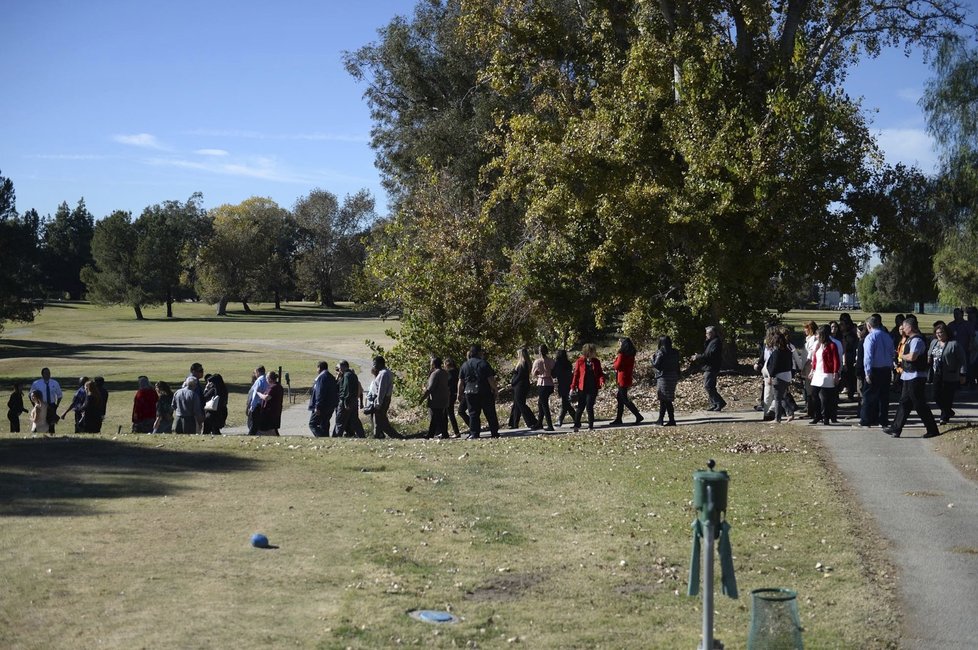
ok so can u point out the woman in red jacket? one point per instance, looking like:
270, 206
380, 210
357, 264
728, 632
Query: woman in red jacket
624, 365
586, 380
825, 377
144, 407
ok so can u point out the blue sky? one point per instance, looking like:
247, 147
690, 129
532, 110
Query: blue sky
131, 103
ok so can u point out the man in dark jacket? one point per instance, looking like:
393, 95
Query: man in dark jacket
477, 386
711, 358
322, 401
347, 420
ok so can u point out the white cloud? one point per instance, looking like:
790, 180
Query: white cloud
909, 146
912, 95
260, 168
68, 156
211, 152
145, 140
258, 135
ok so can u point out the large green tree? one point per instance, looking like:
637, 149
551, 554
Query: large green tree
667, 163
951, 103
19, 252
67, 249
243, 258
170, 234
328, 254
909, 222
117, 275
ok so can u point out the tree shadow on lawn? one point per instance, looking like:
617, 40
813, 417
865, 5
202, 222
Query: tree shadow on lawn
22, 348
295, 313
42, 477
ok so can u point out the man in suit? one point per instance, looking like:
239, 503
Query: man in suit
322, 401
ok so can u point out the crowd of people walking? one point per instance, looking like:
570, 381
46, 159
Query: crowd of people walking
863, 362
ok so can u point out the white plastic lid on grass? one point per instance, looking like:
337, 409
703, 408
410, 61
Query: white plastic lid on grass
433, 616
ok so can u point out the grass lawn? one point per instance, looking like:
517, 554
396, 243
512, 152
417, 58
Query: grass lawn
567, 541
798, 317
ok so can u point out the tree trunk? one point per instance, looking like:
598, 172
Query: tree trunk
328, 295
222, 306
278, 300
139, 312
169, 303
920, 308
244, 304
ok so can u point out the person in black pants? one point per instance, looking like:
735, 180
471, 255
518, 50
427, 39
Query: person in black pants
913, 356
15, 406
587, 379
562, 377
477, 386
520, 383
712, 359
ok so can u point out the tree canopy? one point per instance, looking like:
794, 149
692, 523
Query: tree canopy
951, 103
657, 166
19, 272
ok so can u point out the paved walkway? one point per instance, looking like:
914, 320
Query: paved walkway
924, 507
928, 513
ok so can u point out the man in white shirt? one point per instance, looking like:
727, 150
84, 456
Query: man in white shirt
260, 385
385, 391
50, 390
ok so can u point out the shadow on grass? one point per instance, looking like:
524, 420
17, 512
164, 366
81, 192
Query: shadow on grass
42, 477
23, 348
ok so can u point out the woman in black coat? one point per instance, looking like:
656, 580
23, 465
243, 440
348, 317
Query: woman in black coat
214, 420
563, 370
521, 390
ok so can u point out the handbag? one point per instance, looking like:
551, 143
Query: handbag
213, 404
371, 406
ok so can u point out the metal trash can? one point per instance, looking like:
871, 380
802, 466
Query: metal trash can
774, 621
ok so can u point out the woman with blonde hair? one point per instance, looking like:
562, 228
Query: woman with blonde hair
92, 409
543, 370
520, 382
587, 379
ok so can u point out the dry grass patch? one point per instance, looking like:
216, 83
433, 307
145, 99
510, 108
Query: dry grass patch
960, 444
567, 541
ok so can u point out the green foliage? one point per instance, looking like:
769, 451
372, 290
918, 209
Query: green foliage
875, 290
19, 278
245, 256
328, 249
170, 233
662, 165
439, 264
952, 115
956, 270
949, 100
117, 276
68, 249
